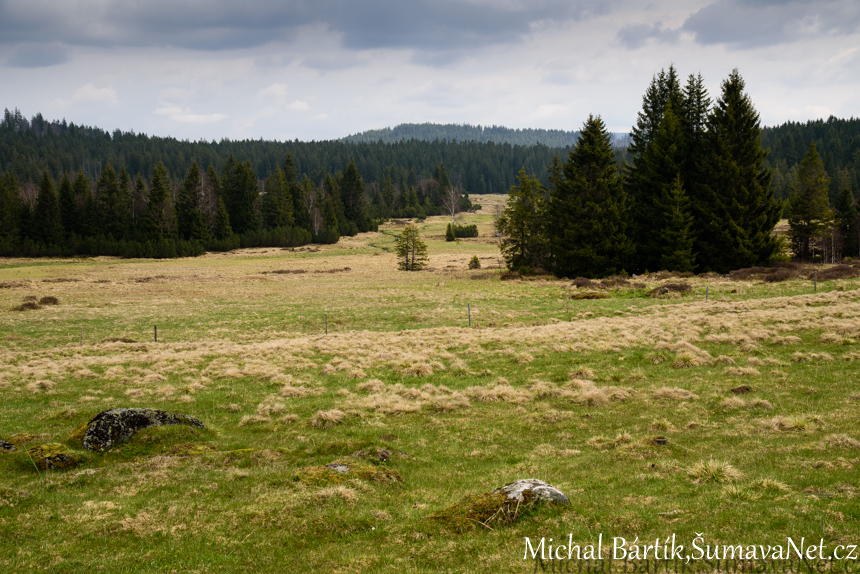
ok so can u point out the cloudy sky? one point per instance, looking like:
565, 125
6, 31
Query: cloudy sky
322, 69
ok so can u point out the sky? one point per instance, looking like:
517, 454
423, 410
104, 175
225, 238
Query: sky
324, 69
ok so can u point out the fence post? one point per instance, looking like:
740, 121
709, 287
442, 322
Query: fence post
82, 335
469, 308
707, 291
816, 280
155, 332
326, 323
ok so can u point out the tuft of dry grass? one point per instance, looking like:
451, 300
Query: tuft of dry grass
743, 372
842, 441
732, 403
791, 423
713, 471
674, 393
685, 360
582, 373
327, 419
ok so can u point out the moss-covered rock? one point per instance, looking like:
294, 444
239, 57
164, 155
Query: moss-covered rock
109, 428
53, 456
20, 438
341, 471
501, 506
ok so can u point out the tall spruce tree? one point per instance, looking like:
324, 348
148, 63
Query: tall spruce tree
222, 221
240, 191
159, 210
677, 230
521, 225
68, 206
277, 203
846, 216
10, 198
733, 206
301, 216
47, 221
111, 203
587, 219
352, 194
190, 219
809, 212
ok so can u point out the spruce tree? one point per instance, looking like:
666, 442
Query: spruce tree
10, 199
523, 243
190, 219
159, 211
587, 219
351, 186
140, 202
809, 210
240, 192
677, 230
846, 216
222, 221
277, 203
111, 203
301, 216
411, 250
733, 206
68, 206
47, 220
449, 233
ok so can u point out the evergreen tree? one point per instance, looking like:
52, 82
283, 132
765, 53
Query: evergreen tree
240, 192
212, 179
222, 221
277, 204
846, 216
656, 172
523, 242
733, 206
113, 202
10, 200
449, 233
809, 212
301, 216
411, 250
190, 219
140, 203
47, 221
587, 219
352, 194
677, 230
159, 212
68, 206
89, 220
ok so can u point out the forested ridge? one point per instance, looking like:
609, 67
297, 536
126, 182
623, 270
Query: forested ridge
466, 133
28, 147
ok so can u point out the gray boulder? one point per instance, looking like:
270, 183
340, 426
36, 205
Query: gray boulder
109, 428
538, 488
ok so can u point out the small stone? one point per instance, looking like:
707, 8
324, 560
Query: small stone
7, 446
540, 489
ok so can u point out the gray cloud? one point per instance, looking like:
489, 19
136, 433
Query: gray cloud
636, 35
754, 23
37, 56
436, 26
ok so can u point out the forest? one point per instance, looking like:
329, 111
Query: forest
696, 196
466, 133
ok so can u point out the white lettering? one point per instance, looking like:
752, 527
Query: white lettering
534, 551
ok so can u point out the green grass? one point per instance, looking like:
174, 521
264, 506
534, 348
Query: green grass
244, 351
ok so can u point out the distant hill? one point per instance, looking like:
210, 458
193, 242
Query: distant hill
469, 133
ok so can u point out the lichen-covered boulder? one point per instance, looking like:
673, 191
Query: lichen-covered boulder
7, 446
20, 438
540, 490
53, 456
109, 428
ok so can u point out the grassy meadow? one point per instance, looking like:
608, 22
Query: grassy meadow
737, 417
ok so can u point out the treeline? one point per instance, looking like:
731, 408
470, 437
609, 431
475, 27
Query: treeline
160, 216
837, 141
696, 195
29, 147
466, 133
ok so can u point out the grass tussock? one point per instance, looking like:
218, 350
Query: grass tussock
842, 441
734, 403
327, 419
712, 470
674, 393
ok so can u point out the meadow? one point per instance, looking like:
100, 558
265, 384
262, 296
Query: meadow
656, 411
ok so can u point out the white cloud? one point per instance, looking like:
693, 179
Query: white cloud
299, 106
187, 116
88, 94
275, 91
